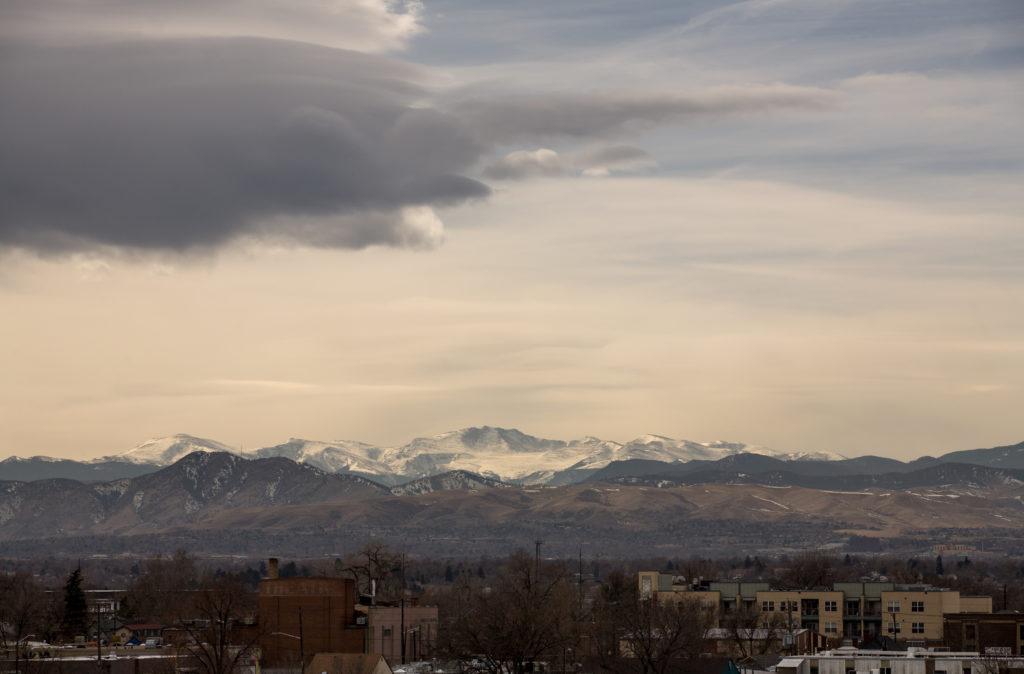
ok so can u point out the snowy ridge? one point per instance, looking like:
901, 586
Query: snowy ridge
343, 456
507, 455
165, 451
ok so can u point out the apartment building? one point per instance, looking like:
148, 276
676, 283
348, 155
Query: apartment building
850, 612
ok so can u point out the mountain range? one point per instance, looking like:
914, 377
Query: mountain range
648, 496
506, 455
220, 503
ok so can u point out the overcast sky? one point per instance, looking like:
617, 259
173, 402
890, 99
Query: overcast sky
792, 223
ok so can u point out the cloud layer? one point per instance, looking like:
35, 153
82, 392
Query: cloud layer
182, 143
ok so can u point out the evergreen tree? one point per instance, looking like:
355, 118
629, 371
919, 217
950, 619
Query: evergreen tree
938, 565
76, 611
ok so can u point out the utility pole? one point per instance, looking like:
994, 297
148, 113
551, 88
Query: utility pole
402, 604
580, 579
99, 651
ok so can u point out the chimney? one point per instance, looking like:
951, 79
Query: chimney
272, 568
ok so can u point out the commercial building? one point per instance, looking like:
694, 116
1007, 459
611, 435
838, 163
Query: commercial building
300, 617
913, 661
388, 626
988, 633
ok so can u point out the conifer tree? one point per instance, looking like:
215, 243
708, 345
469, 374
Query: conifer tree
76, 611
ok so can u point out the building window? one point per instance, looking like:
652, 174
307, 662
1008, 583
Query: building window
767, 605
853, 608
917, 628
831, 606
885, 670
707, 603
893, 628
893, 607
917, 607
387, 631
831, 628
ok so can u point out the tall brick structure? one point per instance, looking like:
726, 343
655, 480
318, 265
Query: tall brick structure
307, 616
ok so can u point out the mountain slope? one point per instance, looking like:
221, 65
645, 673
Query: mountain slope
452, 480
186, 492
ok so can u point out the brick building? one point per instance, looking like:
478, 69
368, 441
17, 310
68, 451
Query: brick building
304, 616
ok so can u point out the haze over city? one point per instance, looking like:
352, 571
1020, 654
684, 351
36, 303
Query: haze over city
790, 223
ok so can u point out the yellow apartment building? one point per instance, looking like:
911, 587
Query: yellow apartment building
851, 612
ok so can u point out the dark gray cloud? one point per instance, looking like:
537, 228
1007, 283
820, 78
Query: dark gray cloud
182, 143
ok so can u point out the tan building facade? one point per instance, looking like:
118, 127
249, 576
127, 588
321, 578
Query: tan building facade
388, 626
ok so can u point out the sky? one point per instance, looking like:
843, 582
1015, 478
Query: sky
791, 223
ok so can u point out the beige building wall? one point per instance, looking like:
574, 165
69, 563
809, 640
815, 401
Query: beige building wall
975, 605
917, 615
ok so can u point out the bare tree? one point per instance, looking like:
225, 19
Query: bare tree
162, 588
219, 621
524, 617
377, 568
633, 634
755, 632
809, 569
22, 609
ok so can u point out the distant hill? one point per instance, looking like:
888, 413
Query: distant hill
44, 468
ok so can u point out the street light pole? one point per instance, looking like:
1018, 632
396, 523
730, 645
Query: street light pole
302, 650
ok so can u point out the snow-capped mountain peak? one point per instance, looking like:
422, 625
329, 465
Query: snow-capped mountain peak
165, 451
